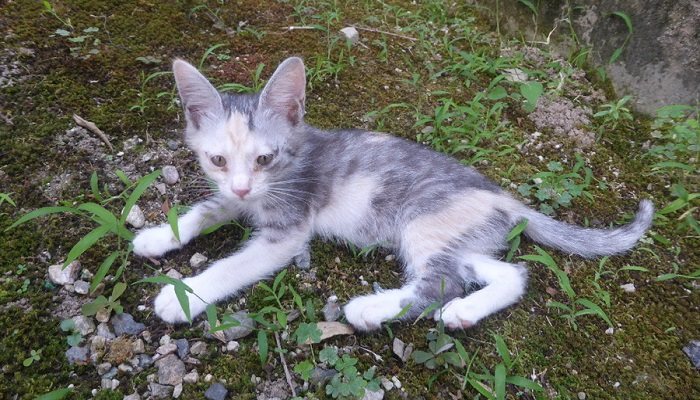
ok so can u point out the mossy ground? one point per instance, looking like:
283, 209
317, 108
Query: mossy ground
651, 325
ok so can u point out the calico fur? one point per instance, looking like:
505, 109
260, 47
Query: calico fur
446, 222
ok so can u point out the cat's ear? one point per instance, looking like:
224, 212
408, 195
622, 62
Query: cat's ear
285, 92
199, 98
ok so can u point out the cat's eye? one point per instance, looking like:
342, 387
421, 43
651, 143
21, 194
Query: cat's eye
219, 161
264, 159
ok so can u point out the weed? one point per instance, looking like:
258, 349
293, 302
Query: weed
531, 92
676, 133
348, 382
5, 198
49, 9
628, 23
74, 337
34, 356
685, 203
258, 83
554, 189
440, 350
25, 286
695, 275
614, 113
104, 304
578, 306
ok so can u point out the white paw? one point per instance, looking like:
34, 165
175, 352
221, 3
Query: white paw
154, 242
168, 307
460, 313
367, 313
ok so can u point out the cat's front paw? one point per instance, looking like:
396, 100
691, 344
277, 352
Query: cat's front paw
366, 313
460, 313
154, 242
169, 309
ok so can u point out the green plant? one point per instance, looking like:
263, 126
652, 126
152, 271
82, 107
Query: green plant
74, 337
440, 350
49, 9
554, 189
143, 97
578, 306
695, 275
5, 198
676, 133
25, 286
513, 238
258, 83
628, 23
57, 394
685, 203
34, 356
106, 304
348, 383
614, 113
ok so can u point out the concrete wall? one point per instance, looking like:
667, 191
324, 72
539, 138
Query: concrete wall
661, 62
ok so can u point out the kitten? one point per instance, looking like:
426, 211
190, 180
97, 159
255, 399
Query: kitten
446, 222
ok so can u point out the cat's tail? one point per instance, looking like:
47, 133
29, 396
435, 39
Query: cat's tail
588, 242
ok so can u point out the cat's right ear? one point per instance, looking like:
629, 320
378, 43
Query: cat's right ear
199, 98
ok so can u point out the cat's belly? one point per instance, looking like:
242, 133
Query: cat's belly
348, 212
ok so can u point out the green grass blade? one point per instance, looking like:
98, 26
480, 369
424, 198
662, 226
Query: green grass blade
500, 381
595, 309
102, 270
502, 349
180, 293
517, 230
94, 186
524, 382
85, 243
262, 346
172, 221
102, 215
57, 394
141, 187
40, 212
118, 290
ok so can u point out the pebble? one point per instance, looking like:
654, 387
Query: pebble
351, 34
133, 396
208, 377
98, 344
84, 325
610, 331
387, 384
145, 361
170, 370
232, 346
396, 382
191, 377
183, 348
146, 335
628, 287
124, 324
81, 287
331, 311
173, 273
125, 368
402, 350
138, 347
160, 187
167, 349
170, 174
136, 217
692, 350
177, 391
111, 373
216, 391
64, 276
581, 395
165, 339
390, 257
244, 329
77, 355
321, 376
371, 395
104, 331
198, 348
197, 260
103, 368
160, 391
103, 315
172, 144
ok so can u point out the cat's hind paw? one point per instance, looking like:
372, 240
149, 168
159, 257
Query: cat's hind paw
169, 309
366, 313
154, 242
458, 314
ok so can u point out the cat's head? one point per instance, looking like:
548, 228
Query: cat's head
243, 141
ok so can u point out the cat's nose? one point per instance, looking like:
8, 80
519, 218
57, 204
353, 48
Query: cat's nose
241, 192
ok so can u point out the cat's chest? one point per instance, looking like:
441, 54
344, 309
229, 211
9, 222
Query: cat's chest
346, 211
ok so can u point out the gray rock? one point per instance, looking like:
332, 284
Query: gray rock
166, 349
197, 260
103, 368
198, 348
160, 187
191, 377
136, 217
232, 346
581, 395
351, 34
170, 175
103, 330
387, 384
370, 395
98, 344
165, 339
160, 391
183, 348
244, 329
692, 350
64, 276
170, 370
331, 311
138, 347
81, 287
321, 376
133, 396
401, 349
216, 391
124, 324
77, 355
125, 368
111, 373
103, 315
173, 273
177, 391
172, 144
628, 287
84, 325
145, 360
106, 383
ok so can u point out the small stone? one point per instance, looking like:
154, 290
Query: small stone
198, 348
160, 187
133, 396
160, 391
208, 378
396, 382
628, 287
331, 311
77, 355
98, 345
197, 260
106, 383
138, 347
616, 385
170, 370
191, 377
390, 257
103, 368
136, 217
515, 75
177, 391
371, 395
81, 287
692, 350
145, 361
246, 327
63, 276
167, 349
146, 335
192, 361
581, 395
84, 325
86, 275
216, 391
173, 273
124, 324
170, 175
183, 348
172, 144
321, 376
232, 346
103, 315
104, 331
351, 34
111, 373
165, 339
387, 384
125, 368
610, 331
337, 260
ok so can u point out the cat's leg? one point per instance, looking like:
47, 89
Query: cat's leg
266, 252
504, 284
156, 241
367, 313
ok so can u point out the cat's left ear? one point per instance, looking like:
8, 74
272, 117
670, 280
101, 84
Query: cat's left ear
284, 94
